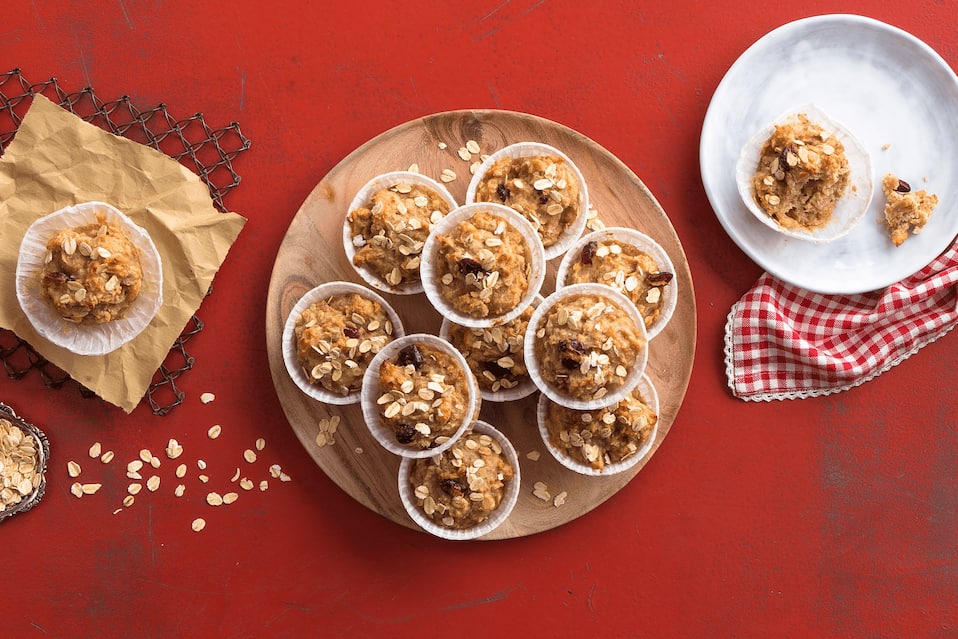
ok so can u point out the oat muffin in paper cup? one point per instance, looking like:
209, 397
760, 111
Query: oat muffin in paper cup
630, 262
487, 494
499, 381
336, 326
643, 399
400, 207
419, 396
586, 346
798, 158
482, 265
557, 201
35, 272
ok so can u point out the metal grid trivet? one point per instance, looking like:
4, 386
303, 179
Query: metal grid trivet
206, 151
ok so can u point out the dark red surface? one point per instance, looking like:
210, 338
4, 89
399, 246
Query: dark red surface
832, 517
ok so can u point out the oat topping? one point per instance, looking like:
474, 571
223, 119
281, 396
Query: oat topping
586, 346
483, 265
494, 354
464, 485
627, 269
390, 232
423, 396
601, 437
336, 338
542, 188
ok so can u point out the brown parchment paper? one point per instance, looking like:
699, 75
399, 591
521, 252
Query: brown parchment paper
56, 160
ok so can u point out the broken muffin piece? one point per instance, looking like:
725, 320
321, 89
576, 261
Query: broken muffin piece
905, 209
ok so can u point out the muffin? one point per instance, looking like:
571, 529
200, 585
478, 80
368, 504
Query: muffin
419, 396
88, 278
603, 441
482, 265
542, 184
334, 332
905, 209
586, 346
631, 263
387, 224
806, 176
495, 355
465, 491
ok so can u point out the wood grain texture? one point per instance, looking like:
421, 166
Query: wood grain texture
311, 253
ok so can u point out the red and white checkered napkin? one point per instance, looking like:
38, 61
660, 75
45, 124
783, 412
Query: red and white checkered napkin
783, 342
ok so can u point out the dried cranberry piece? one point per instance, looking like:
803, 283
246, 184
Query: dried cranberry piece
495, 369
453, 487
468, 265
658, 279
405, 434
903, 186
410, 355
588, 252
543, 198
789, 149
570, 353
503, 192
57, 276
352, 332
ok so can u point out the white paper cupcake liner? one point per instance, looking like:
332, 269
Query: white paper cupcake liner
370, 393
430, 275
501, 514
319, 293
645, 244
525, 387
648, 393
850, 208
532, 363
86, 339
526, 149
362, 198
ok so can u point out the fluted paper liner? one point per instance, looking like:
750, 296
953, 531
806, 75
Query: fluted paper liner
290, 358
509, 499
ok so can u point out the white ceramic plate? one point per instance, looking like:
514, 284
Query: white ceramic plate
891, 89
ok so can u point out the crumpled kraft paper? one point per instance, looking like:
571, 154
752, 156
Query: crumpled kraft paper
55, 160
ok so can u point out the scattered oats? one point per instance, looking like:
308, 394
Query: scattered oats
214, 499
472, 146
146, 456
229, 498
474, 167
90, 489
155, 462
173, 449
73, 469
464, 153
107, 457
153, 483
541, 491
442, 145
235, 476
285, 477
246, 484
358, 450
134, 489
260, 444
198, 524
263, 485
203, 478
181, 471
249, 455
214, 431
134, 466
320, 439
206, 398
413, 168
132, 474
275, 471
447, 175
117, 511
95, 450
179, 490
77, 489
533, 455
560, 499
128, 500
201, 464
885, 147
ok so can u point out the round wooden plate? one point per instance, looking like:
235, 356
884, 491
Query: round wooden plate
312, 253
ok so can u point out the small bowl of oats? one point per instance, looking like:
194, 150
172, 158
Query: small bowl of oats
482, 265
496, 355
386, 226
419, 396
466, 491
604, 441
806, 176
24, 451
540, 182
332, 334
586, 346
630, 262
89, 278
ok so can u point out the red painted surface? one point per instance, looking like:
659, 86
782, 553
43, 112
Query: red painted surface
833, 517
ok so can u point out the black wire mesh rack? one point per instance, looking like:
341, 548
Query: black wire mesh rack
207, 151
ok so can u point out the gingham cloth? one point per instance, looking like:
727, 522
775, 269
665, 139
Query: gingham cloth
783, 342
